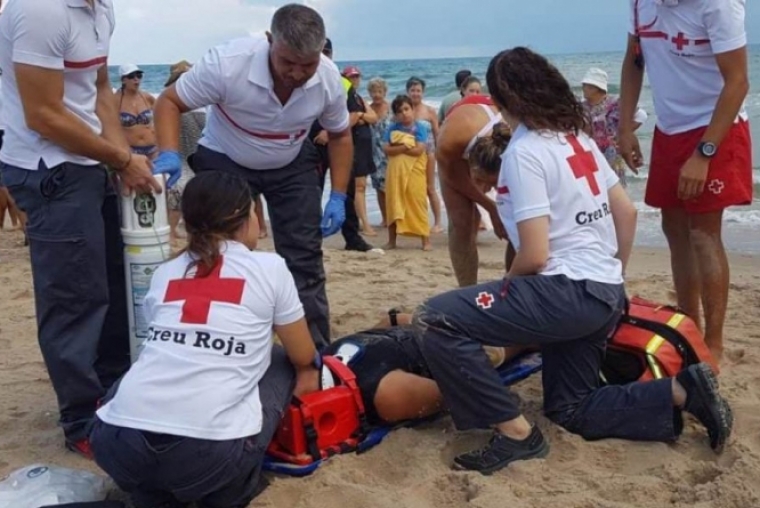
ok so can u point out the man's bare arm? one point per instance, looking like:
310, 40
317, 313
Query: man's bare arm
41, 92
340, 147
733, 68
108, 112
168, 114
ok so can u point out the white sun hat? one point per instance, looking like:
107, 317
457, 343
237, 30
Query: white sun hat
596, 77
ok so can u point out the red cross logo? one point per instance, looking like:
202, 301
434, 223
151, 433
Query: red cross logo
199, 292
716, 186
583, 164
484, 300
680, 41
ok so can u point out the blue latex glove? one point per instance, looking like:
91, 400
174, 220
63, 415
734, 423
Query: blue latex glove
335, 214
168, 162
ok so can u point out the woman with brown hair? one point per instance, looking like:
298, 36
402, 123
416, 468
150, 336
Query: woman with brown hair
469, 120
191, 420
572, 225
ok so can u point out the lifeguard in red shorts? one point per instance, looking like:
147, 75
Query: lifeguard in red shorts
696, 58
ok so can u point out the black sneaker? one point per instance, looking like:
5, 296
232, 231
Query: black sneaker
502, 451
705, 403
359, 246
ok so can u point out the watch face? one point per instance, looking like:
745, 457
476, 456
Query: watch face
708, 149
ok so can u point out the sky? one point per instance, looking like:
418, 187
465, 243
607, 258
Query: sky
166, 31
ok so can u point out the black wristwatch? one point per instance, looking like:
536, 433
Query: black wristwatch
393, 316
707, 149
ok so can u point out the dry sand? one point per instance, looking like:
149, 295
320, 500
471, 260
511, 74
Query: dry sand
410, 469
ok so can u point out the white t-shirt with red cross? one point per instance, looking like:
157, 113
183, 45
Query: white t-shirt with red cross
566, 178
210, 342
70, 36
679, 43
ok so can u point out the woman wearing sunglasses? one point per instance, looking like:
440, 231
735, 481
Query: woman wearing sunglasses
136, 111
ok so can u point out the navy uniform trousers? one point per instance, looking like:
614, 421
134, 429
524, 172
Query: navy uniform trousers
571, 322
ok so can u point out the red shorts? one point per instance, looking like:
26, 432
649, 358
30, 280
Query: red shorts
729, 177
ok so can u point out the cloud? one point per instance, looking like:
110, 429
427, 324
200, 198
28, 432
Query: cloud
162, 31
150, 31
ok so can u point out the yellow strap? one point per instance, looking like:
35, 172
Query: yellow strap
657, 341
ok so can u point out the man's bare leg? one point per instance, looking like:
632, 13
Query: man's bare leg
714, 274
683, 262
463, 230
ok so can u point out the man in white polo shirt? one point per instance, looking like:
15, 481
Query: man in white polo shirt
264, 94
61, 127
695, 54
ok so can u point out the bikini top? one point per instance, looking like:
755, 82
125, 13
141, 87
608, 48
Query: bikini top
144, 117
493, 118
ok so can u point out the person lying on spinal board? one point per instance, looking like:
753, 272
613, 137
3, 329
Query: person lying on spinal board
392, 374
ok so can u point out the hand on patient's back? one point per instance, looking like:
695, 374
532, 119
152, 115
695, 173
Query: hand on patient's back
170, 163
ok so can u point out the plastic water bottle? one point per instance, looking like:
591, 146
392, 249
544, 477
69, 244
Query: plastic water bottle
40, 485
145, 230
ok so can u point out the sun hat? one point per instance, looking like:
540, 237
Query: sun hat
596, 77
127, 69
351, 71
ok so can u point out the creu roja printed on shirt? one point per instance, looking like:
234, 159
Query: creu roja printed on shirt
198, 339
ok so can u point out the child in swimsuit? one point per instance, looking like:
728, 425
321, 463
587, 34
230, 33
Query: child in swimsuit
190, 421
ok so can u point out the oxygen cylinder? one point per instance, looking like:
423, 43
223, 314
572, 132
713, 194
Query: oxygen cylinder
145, 230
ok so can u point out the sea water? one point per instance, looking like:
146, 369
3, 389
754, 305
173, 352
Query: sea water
742, 224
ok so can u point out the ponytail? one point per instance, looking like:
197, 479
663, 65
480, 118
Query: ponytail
486, 153
215, 205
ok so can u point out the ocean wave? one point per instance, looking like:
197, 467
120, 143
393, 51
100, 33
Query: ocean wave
732, 216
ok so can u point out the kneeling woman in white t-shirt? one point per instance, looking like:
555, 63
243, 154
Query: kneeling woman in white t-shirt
572, 226
192, 418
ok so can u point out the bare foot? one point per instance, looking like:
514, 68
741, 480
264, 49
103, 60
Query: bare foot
389, 246
369, 232
482, 226
382, 225
427, 246
717, 353
437, 229
263, 234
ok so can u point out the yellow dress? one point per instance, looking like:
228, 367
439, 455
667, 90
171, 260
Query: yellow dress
406, 201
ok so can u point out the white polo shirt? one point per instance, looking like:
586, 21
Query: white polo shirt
246, 120
679, 44
2, 128
209, 344
565, 178
62, 35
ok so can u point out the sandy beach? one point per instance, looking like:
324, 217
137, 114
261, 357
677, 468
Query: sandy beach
410, 469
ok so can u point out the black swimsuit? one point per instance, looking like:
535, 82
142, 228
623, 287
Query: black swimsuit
383, 351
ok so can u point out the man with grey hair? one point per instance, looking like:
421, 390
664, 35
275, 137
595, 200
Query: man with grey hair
264, 94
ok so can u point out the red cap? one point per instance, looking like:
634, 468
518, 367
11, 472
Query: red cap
351, 71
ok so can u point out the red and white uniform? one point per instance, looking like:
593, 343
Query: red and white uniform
209, 344
566, 178
679, 43
76, 41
